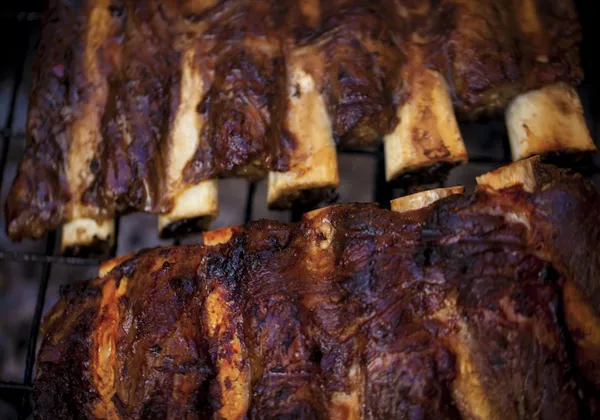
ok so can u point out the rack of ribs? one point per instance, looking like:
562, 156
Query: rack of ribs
139, 105
450, 306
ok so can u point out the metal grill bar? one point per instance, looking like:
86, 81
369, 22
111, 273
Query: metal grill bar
249, 202
39, 309
46, 259
6, 131
383, 190
113, 251
15, 386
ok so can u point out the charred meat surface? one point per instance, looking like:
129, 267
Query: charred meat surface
116, 83
461, 309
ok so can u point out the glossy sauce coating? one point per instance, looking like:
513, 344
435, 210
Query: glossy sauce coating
451, 311
107, 86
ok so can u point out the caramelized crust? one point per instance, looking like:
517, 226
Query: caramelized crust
135, 102
466, 308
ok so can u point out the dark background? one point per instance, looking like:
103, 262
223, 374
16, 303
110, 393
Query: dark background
25, 272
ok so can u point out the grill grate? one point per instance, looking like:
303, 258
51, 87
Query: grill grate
23, 24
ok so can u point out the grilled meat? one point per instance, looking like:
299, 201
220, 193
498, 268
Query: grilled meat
139, 105
468, 307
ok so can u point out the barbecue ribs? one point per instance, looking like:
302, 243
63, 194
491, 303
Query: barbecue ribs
140, 105
482, 306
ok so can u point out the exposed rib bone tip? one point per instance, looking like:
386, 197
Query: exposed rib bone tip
547, 120
220, 236
197, 205
313, 163
86, 235
427, 132
521, 172
423, 199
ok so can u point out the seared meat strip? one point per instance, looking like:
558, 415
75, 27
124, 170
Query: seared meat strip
140, 105
467, 307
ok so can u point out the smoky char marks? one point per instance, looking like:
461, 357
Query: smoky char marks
63, 384
362, 71
282, 350
386, 304
497, 49
129, 169
245, 99
482, 55
553, 52
243, 113
509, 306
40, 191
450, 311
163, 365
112, 171
570, 226
517, 338
139, 354
150, 77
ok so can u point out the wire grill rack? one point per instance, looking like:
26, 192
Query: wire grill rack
486, 142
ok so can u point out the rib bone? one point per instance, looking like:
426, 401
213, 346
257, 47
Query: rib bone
219, 236
423, 199
522, 172
81, 231
138, 105
85, 235
313, 161
198, 205
467, 386
547, 120
224, 328
578, 310
427, 132
190, 202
